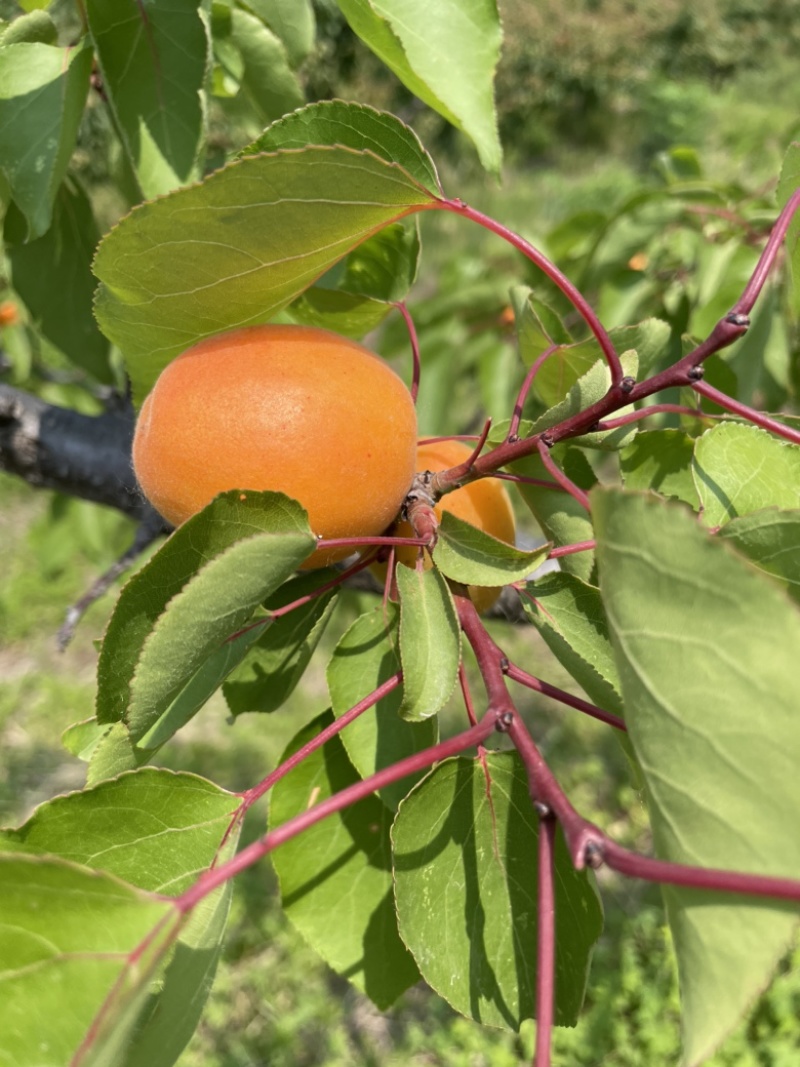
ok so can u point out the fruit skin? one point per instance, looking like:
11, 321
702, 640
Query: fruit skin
294, 409
484, 504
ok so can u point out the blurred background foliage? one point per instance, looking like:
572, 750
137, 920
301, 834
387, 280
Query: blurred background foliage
643, 144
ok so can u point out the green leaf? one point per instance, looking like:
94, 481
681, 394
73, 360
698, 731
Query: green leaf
740, 468
42, 94
153, 59
335, 877
236, 248
473, 557
539, 327
53, 276
67, 941
587, 390
339, 123
357, 293
430, 641
267, 77
292, 21
276, 662
198, 589
562, 519
661, 460
770, 539
445, 53
173, 828
465, 847
34, 28
367, 656
569, 615
789, 182
706, 649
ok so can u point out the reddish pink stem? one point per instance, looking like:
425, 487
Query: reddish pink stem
756, 417
570, 550
214, 878
635, 866
250, 796
516, 674
527, 385
414, 339
545, 942
576, 298
566, 483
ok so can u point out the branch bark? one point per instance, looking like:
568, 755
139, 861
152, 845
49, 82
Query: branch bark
87, 456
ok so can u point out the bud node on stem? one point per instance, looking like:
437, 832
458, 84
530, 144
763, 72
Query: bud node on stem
737, 319
593, 854
541, 809
504, 722
627, 384
696, 374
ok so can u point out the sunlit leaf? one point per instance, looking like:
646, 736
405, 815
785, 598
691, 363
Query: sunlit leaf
368, 655
465, 865
706, 649
430, 641
739, 469
68, 937
335, 877
42, 94
450, 66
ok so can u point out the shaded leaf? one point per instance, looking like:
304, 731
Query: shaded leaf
335, 877
53, 276
367, 656
465, 876
706, 649
357, 293
268, 674
153, 60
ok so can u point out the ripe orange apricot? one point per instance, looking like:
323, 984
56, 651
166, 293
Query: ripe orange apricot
293, 409
484, 504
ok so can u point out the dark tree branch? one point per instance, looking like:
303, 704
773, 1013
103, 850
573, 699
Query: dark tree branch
87, 456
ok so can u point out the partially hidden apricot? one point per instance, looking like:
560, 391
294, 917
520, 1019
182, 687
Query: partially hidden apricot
292, 409
484, 504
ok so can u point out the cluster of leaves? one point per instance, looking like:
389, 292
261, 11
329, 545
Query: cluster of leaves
679, 616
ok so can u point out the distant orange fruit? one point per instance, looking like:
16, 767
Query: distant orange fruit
9, 313
483, 503
293, 409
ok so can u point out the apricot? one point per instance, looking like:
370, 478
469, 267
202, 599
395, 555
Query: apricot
484, 504
292, 409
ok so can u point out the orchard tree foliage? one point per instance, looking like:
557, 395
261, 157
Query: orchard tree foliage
657, 455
